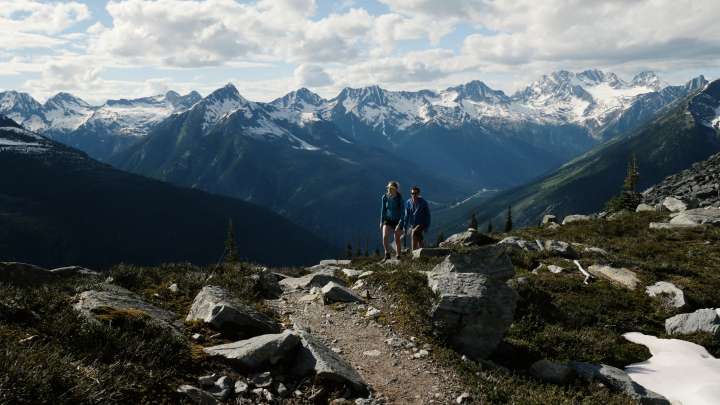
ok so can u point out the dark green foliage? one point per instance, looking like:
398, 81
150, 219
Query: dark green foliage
508, 220
440, 239
231, 255
489, 227
349, 251
473, 222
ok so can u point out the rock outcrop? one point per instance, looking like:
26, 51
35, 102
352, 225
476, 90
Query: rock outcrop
317, 279
698, 216
471, 237
700, 183
258, 352
670, 295
333, 292
430, 252
476, 306
217, 307
23, 274
703, 320
575, 218
619, 381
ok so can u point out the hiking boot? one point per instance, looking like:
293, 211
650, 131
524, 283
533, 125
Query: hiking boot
387, 256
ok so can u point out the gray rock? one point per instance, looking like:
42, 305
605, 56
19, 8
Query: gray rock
559, 248
173, 288
670, 294
24, 274
515, 243
335, 262
619, 381
644, 208
105, 302
197, 395
549, 219
471, 237
282, 390
555, 269
334, 292
69, 271
366, 274
207, 380
241, 387
268, 283
262, 380
673, 204
476, 306
552, 372
621, 276
575, 218
669, 226
698, 216
703, 320
254, 353
351, 273
217, 307
430, 252
316, 358
316, 279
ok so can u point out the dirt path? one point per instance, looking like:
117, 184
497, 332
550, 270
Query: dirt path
388, 362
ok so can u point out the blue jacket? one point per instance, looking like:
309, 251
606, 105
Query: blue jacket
392, 208
416, 214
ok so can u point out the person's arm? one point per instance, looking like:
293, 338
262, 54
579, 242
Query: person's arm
383, 204
404, 217
425, 216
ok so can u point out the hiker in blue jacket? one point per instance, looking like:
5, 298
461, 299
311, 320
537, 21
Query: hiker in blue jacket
417, 217
390, 217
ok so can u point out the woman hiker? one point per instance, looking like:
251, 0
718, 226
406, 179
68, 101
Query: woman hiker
390, 217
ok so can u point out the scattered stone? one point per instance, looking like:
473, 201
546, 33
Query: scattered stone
644, 208
257, 352
316, 358
207, 380
173, 288
282, 390
351, 273
555, 269
197, 395
559, 248
421, 354
241, 387
552, 226
24, 274
698, 216
28, 339
476, 306
261, 380
366, 274
595, 250
575, 218
671, 295
619, 381
549, 219
513, 242
334, 292
112, 301
317, 279
430, 252
672, 204
335, 262
621, 276
463, 398
372, 353
217, 307
471, 237
360, 284
703, 320
69, 271
198, 337
552, 372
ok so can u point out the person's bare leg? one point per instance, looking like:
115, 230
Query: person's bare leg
386, 239
414, 239
398, 236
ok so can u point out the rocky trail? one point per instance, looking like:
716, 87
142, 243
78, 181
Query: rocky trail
398, 370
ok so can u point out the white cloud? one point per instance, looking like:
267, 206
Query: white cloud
311, 76
41, 17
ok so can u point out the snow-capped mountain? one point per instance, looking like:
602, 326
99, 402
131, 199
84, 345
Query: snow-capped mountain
65, 112
23, 109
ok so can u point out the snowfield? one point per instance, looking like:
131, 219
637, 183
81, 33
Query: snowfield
683, 372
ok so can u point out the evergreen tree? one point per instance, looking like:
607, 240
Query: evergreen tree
358, 252
349, 251
473, 222
440, 239
489, 227
633, 175
377, 252
629, 198
508, 221
231, 254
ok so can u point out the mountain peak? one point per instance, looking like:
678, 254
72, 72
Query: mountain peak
7, 122
229, 91
477, 90
63, 99
648, 78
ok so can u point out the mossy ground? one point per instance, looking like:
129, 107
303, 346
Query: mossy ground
560, 318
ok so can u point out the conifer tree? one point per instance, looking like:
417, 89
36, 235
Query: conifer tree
473, 222
440, 239
508, 221
231, 254
489, 227
349, 251
633, 175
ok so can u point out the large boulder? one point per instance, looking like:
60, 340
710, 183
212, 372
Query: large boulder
23, 274
669, 293
619, 381
644, 208
314, 358
620, 276
255, 353
315, 279
698, 216
552, 372
549, 219
217, 307
575, 218
268, 283
333, 292
111, 302
515, 243
673, 204
703, 320
476, 306
430, 252
559, 248
471, 237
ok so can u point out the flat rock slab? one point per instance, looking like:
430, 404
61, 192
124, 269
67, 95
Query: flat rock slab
24, 274
335, 262
316, 279
559, 248
575, 218
467, 238
703, 320
644, 208
619, 381
333, 292
515, 243
671, 295
673, 204
430, 252
698, 216
351, 273
94, 303
217, 307
258, 352
621, 276
316, 358
491, 261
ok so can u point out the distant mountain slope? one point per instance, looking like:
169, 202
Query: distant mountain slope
306, 171
57, 207
686, 133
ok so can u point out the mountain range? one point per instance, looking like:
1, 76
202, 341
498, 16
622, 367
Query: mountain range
59, 207
323, 162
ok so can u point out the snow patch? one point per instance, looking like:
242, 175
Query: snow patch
683, 372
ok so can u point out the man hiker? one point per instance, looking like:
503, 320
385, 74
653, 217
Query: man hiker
417, 217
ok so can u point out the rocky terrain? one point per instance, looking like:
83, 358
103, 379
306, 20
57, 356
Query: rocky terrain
699, 185
561, 313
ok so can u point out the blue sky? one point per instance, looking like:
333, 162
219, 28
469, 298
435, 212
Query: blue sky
131, 48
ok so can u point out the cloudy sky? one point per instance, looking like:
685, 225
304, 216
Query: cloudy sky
128, 48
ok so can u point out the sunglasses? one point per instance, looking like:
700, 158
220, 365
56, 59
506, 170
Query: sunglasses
413, 193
